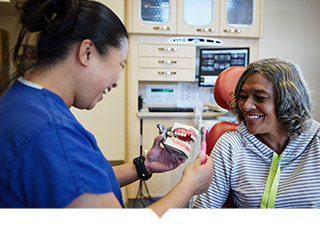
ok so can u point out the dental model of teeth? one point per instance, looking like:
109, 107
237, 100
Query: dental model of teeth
178, 139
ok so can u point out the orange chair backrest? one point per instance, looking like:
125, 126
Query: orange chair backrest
223, 94
216, 131
226, 84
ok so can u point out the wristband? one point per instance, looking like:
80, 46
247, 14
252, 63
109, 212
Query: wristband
141, 168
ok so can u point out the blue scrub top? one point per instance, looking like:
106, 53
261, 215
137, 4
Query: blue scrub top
47, 157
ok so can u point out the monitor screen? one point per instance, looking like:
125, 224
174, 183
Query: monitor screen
212, 61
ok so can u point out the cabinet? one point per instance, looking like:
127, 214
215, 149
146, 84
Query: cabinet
241, 18
199, 18
166, 62
230, 18
159, 184
152, 16
152, 59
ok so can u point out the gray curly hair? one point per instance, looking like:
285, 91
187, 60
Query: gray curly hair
293, 100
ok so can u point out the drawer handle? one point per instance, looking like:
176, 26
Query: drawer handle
231, 30
205, 29
168, 49
168, 62
162, 28
167, 73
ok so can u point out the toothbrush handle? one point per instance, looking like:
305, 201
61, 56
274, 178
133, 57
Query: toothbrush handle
204, 143
204, 149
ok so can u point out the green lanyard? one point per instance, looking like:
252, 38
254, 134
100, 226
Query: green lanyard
270, 192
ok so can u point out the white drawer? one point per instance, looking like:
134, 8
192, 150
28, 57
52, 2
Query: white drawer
172, 62
153, 50
159, 74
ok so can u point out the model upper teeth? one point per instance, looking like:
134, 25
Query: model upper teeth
253, 117
181, 134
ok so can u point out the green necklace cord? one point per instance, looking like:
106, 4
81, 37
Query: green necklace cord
270, 192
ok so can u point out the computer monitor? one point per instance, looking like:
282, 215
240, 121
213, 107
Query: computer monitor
212, 61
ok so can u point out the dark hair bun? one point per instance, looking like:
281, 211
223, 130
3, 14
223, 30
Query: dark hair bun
53, 17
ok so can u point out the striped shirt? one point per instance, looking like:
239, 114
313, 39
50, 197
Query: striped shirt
242, 164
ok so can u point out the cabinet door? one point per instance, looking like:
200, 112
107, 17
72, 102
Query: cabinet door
240, 18
198, 17
154, 16
160, 184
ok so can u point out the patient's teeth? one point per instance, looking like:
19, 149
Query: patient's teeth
253, 117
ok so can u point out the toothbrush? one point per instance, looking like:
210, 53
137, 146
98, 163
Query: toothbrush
203, 131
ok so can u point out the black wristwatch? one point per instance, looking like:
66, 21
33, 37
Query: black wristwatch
141, 168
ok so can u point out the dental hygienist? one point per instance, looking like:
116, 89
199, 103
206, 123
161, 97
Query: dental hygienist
48, 159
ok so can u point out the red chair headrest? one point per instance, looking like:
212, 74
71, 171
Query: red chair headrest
226, 84
216, 131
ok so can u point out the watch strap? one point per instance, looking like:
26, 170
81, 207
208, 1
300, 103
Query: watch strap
141, 168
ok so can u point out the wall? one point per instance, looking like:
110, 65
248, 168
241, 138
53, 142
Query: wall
291, 31
9, 21
106, 120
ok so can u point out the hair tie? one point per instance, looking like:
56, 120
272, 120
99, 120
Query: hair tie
53, 16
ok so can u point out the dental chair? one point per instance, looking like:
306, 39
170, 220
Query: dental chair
223, 92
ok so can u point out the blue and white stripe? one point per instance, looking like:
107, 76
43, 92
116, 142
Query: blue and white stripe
242, 164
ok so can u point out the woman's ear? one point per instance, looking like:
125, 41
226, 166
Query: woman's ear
85, 52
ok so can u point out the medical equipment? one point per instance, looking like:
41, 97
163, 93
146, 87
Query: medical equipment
178, 139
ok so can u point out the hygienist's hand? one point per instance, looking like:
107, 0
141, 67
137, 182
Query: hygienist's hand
198, 175
159, 159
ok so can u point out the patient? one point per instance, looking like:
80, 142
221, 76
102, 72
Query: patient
273, 159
